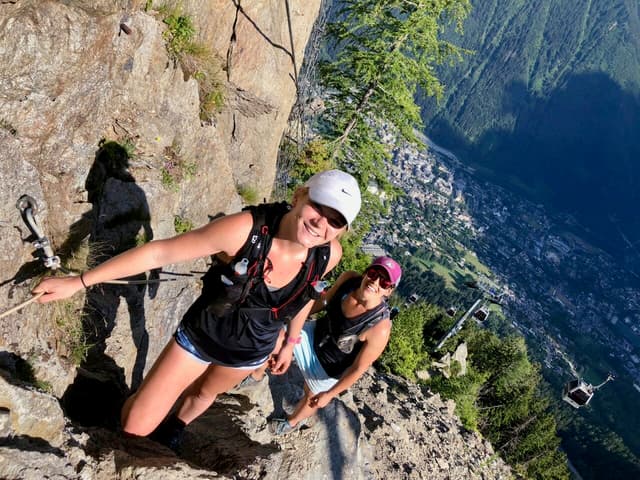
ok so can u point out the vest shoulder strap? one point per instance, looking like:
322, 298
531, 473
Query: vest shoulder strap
370, 319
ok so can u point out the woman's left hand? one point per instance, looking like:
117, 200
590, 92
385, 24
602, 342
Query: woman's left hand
320, 400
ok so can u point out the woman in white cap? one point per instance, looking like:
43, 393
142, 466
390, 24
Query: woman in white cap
340, 346
268, 260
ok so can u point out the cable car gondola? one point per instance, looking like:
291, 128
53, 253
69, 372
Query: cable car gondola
579, 393
482, 313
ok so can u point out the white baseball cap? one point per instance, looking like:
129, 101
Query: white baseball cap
338, 190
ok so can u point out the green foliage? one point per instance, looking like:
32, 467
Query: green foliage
385, 52
248, 193
405, 353
129, 147
175, 169
148, 5
464, 390
180, 33
206, 68
313, 158
67, 318
194, 58
181, 224
212, 95
510, 409
353, 258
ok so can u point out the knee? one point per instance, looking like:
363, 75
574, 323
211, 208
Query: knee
132, 421
199, 392
204, 396
137, 427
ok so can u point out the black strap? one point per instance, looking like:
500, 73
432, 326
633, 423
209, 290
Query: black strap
372, 318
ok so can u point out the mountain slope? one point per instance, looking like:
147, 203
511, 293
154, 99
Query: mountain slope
548, 106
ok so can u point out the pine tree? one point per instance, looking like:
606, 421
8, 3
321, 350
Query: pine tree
387, 49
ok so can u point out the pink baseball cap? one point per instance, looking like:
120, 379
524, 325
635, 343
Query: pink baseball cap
390, 266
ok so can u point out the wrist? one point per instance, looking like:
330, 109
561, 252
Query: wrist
82, 281
294, 340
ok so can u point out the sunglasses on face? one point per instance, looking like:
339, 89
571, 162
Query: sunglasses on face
334, 219
374, 274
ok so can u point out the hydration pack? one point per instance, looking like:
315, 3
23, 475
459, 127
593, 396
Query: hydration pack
348, 338
229, 281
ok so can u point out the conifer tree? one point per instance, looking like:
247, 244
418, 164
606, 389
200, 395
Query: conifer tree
386, 50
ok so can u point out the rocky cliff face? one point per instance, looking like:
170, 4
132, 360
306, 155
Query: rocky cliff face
102, 128
383, 428
77, 72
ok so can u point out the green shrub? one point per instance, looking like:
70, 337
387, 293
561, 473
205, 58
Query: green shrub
182, 225
405, 353
313, 158
206, 68
179, 35
129, 146
67, 318
194, 58
248, 193
212, 98
175, 169
464, 391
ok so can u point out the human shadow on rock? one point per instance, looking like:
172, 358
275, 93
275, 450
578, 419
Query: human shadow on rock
287, 390
118, 220
216, 441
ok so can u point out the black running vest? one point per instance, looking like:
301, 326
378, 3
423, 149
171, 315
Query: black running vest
336, 341
237, 319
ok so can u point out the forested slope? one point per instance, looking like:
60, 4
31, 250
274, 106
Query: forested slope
548, 105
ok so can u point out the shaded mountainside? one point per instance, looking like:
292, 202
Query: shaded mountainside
549, 105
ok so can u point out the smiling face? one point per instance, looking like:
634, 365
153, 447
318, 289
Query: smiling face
375, 284
315, 224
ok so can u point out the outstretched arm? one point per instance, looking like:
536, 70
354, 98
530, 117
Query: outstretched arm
374, 344
226, 234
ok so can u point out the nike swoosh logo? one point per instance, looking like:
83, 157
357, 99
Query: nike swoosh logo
346, 193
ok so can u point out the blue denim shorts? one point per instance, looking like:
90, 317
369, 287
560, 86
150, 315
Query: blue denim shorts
183, 341
314, 375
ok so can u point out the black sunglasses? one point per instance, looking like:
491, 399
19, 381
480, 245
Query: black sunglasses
334, 218
374, 274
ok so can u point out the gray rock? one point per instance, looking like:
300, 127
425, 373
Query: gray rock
30, 413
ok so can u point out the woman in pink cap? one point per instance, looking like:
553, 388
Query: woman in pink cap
339, 347
268, 260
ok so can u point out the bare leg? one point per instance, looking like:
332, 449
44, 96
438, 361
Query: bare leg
203, 392
303, 409
171, 374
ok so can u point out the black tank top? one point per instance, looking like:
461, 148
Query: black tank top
336, 341
237, 319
